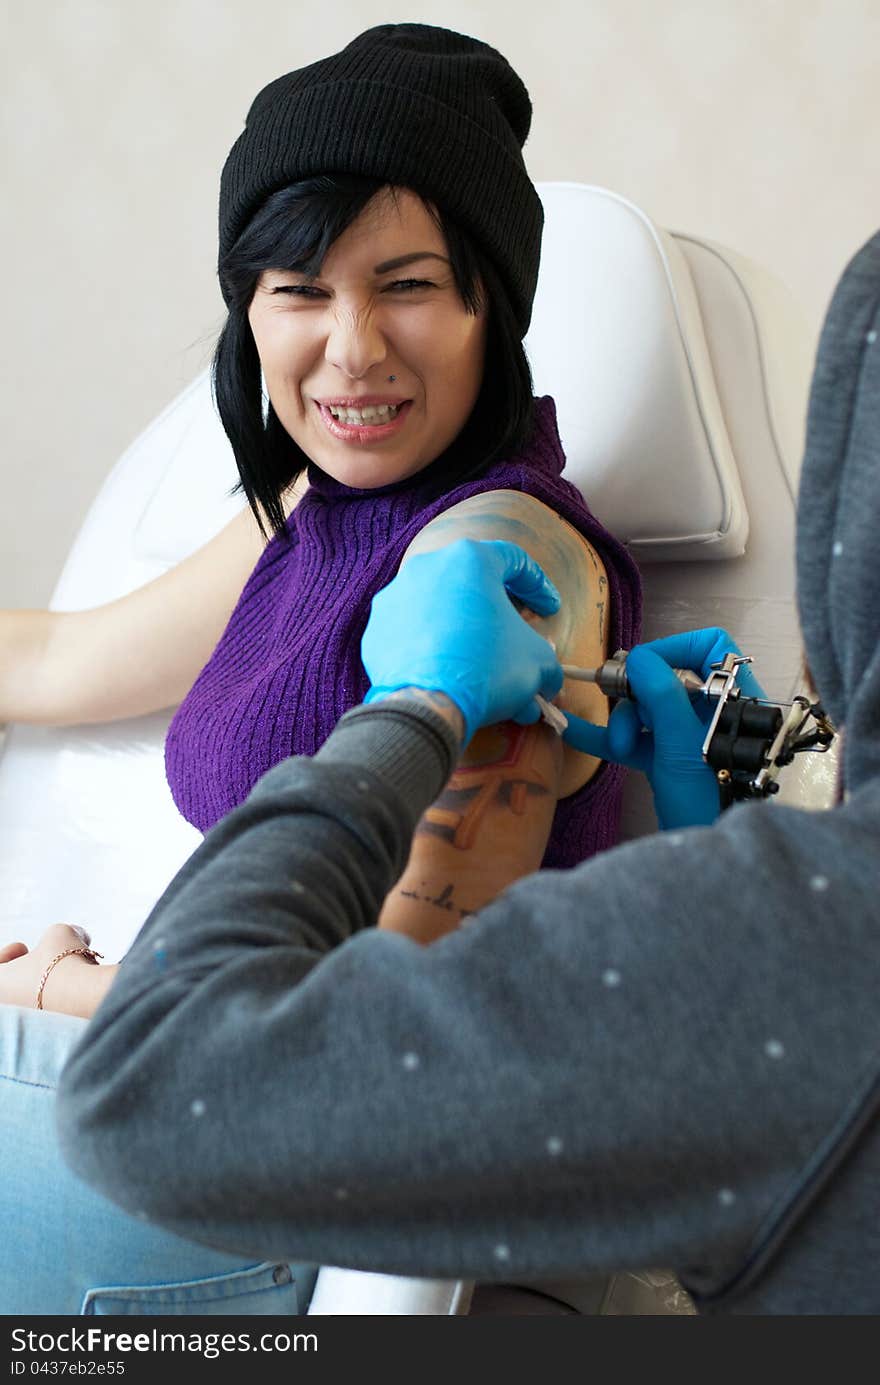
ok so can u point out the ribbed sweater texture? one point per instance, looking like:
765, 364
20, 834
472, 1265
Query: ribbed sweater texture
288, 665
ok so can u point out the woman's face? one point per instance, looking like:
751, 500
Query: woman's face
384, 303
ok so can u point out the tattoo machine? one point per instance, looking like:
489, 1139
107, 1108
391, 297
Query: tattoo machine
749, 739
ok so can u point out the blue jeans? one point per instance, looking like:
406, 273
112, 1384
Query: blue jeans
64, 1249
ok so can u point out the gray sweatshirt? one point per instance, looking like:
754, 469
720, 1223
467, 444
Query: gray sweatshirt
669, 1055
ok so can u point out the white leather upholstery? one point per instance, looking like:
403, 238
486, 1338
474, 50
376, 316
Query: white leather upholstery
680, 374
617, 339
88, 831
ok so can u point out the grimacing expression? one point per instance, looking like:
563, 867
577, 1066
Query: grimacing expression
384, 303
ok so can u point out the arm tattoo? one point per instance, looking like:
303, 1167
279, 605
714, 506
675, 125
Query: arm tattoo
445, 900
557, 544
600, 606
499, 771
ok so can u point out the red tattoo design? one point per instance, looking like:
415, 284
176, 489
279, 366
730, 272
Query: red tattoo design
484, 781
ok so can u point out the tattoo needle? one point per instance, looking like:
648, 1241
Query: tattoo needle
552, 715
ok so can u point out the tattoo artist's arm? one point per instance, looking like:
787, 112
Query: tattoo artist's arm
477, 1108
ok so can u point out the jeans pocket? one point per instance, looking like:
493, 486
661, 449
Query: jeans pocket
278, 1288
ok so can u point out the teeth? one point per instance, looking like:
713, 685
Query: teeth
370, 413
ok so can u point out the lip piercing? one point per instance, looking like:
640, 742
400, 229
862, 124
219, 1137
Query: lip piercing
391, 377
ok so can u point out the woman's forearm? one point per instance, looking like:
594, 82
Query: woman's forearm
59, 972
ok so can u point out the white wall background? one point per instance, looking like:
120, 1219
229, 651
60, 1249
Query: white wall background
752, 122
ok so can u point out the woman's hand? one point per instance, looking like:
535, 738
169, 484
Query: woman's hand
74, 986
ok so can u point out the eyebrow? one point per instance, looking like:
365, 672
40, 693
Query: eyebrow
402, 260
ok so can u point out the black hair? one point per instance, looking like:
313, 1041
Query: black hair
294, 229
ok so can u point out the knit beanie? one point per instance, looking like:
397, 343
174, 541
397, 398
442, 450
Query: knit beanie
418, 106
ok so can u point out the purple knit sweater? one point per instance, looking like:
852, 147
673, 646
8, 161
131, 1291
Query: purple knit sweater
288, 664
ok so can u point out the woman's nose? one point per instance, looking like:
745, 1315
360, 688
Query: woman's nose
355, 343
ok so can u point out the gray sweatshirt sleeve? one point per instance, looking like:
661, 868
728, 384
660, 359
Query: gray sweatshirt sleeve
606, 1068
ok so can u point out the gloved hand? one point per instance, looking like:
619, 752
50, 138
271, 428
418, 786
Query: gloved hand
662, 732
446, 623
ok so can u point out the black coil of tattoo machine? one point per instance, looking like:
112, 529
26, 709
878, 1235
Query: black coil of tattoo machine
750, 739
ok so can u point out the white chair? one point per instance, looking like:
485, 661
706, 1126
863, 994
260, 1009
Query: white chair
680, 373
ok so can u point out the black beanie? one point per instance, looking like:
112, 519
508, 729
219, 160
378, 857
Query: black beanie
419, 107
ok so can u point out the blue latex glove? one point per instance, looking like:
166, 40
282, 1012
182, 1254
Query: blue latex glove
446, 623
661, 733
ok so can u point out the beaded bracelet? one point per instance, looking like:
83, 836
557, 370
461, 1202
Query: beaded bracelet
87, 952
